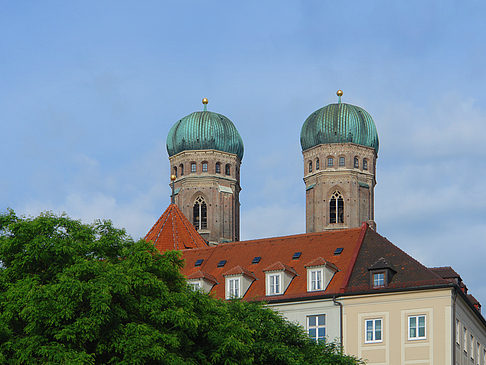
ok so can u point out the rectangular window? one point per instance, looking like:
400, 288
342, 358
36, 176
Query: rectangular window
193, 167
458, 332
471, 347
342, 161
316, 327
195, 286
205, 167
373, 330
330, 162
218, 168
465, 339
317, 164
365, 164
234, 288
316, 280
478, 347
416, 327
379, 280
274, 284
356, 163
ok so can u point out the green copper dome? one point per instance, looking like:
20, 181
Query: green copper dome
339, 123
204, 131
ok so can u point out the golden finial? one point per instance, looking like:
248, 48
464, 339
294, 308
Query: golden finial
339, 93
173, 177
205, 101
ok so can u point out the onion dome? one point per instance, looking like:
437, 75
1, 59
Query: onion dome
204, 130
339, 123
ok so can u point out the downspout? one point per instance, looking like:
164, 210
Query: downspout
454, 323
340, 321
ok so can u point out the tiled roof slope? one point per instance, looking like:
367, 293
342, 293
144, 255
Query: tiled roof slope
173, 231
409, 272
446, 272
280, 249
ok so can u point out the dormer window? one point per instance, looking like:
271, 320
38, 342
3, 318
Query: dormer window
201, 280
379, 280
315, 279
234, 289
274, 285
319, 274
237, 282
277, 278
381, 273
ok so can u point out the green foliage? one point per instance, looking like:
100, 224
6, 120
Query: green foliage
72, 293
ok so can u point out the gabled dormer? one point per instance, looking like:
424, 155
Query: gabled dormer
381, 274
277, 278
201, 280
237, 282
319, 274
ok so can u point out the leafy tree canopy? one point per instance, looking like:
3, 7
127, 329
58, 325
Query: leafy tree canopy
89, 294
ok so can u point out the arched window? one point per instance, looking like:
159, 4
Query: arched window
175, 171
193, 167
200, 214
356, 163
205, 166
218, 167
317, 164
310, 166
336, 208
227, 169
365, 164
330, 162
181, 167
342, 161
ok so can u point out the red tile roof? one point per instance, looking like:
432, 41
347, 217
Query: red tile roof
238, 270
173, 231
203, 275
320, 262
280, 250
279, 266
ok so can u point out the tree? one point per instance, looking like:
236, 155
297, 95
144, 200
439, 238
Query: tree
85, 294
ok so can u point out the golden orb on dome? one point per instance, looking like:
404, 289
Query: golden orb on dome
173, 177
339, 93
205, 101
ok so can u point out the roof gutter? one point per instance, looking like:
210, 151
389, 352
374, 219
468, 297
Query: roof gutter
340, 321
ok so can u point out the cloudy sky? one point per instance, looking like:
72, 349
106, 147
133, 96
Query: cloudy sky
89, 90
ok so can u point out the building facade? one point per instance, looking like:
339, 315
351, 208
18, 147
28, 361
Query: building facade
341, 281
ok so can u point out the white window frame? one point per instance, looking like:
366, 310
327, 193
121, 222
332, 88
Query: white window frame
195, 285
464, 335
374, 322
417, 336
316, 276
234, 287
317, 326
274, 284
471, 347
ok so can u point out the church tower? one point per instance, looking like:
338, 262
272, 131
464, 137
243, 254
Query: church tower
205, 152
340, 146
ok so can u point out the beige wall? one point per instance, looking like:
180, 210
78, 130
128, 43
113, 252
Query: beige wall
297, 312
394, 310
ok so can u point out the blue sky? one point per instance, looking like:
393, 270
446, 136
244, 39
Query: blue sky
89, 90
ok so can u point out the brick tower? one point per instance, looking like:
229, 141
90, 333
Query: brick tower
339, 146
205, 153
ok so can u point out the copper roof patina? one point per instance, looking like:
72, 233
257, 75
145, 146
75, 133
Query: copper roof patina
339, 123
204, 130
